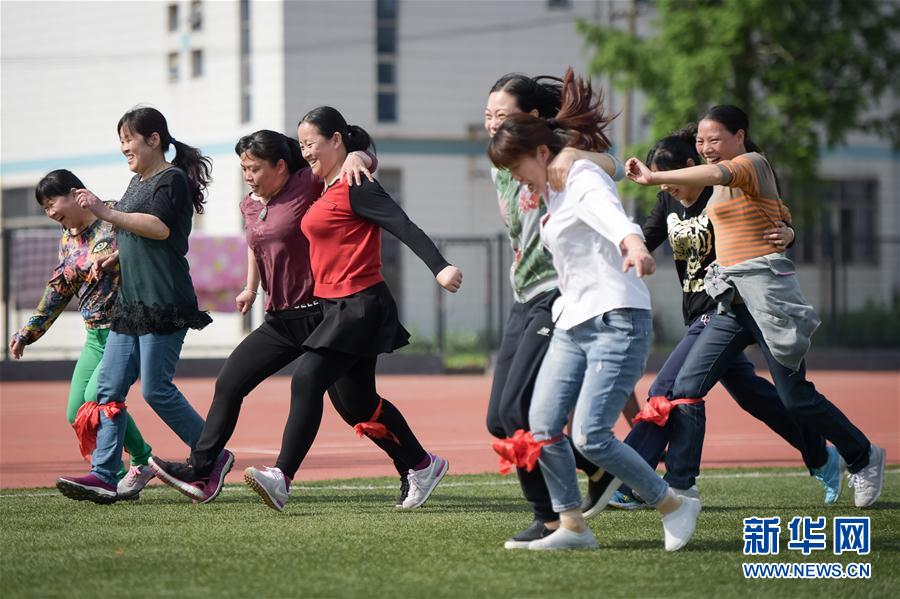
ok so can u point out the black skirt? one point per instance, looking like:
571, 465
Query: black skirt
363, 324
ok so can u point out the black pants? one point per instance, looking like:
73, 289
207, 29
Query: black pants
354, 379
265, 351
525, 341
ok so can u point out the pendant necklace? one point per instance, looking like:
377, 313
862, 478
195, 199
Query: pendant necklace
263, 213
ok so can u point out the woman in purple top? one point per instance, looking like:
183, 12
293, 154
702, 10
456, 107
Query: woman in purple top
282, 187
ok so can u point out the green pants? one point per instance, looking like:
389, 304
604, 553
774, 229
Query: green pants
84, 389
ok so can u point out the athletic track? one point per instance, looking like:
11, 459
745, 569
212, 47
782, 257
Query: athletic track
446, 412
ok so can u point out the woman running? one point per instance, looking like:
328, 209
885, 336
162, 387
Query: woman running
88, 268
282, 187
757, 290
680, 218
360, 318
534, 283
156, 304
603, 324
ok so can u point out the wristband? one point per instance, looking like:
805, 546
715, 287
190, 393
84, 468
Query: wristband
251, 291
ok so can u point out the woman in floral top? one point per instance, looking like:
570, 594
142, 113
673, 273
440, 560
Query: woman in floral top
88, 268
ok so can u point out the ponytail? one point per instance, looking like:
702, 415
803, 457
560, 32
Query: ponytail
357, 139
582, 114
197, 167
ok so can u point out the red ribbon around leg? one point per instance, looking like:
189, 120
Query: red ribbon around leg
520, 451
373, 429
658, 408
87, 421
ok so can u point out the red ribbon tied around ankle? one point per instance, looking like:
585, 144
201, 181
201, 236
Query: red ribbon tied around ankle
658, 407
87, 421
373, 429
519, 451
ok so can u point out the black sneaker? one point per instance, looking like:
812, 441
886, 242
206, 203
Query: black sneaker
181, 476
404, 490
536, 531
598, 494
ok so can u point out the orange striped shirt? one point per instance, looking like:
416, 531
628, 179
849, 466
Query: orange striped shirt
745, 206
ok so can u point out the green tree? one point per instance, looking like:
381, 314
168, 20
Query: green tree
807, 72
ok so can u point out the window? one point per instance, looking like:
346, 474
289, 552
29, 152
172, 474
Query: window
246, 112
19, 203
386, 73
173, 66
196, 16
387, 107
386, 64
842, 226
386, 9
245, 74
197, 63
559, 4
173, 17
387, 39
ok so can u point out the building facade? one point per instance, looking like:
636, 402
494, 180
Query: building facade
415, 74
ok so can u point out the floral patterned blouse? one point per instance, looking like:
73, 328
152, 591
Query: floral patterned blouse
73, 277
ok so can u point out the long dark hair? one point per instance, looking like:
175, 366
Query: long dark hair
272, 146
56, 183
329, 121
734, 119
674, 151
541, 93
146, 121
580, 123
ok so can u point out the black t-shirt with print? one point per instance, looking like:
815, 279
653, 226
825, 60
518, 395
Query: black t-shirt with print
690, 234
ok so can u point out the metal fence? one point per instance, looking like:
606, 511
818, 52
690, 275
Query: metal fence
858, 298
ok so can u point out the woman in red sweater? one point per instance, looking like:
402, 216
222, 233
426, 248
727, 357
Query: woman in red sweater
360, 317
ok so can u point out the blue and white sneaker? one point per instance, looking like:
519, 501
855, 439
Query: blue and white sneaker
626, 502
831, 475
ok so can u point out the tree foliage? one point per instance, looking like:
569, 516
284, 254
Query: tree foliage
807, 72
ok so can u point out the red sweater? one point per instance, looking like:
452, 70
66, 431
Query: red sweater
344, 231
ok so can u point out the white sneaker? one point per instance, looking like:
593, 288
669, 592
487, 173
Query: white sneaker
868, 482
136, 479
563, 538
679, 525
270, 484
690, 492
422, 482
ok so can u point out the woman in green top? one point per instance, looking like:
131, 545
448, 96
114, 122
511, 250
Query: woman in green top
156, 302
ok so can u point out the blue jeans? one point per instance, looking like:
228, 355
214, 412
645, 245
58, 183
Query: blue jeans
724, 339
152, 357
592, 369
685, 430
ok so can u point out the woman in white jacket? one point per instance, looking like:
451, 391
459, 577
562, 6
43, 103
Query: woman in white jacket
603, 322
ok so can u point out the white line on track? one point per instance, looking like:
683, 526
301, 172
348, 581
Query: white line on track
392, 487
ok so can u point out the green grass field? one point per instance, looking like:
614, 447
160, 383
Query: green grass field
345, 539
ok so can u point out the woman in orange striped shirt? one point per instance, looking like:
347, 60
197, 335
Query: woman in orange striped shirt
759, 297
